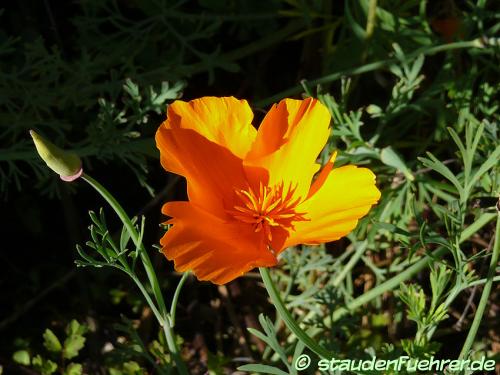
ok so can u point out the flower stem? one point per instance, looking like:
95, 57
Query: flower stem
147, 297
358, 302
134, 235
371, 19
175, 298
288, 318
161, 312
484, 296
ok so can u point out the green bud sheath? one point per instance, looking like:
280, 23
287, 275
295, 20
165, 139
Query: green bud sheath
66, 164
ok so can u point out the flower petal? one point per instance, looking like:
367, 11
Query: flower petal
214, 249
204, 141
345, 196
288, 143
224, 121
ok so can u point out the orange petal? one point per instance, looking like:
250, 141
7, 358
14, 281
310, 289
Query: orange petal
345, 196
224, 121
204, 141
214, 249
288, 143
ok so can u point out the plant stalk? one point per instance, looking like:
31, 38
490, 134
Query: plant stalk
288, 318
175, 298
484, 296
358, 302
164, 318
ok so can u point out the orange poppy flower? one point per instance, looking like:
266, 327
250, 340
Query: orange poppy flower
253, 193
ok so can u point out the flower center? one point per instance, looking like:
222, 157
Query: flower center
270, 207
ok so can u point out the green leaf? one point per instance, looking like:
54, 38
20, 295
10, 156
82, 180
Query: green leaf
75, 340
51, 342
389, 157
73, 369
440, 277
477, 225
460, 145
357, 29
262, 369
72, 345
438, 166
45, 367
416, 68
260, 335
132, 368
492, 160
374, 111
22, 357
75, 328
392, 228
124, 238
94, 219
271, 334
299, 349
132, 89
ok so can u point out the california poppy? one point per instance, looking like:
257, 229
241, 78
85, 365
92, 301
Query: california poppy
253, 193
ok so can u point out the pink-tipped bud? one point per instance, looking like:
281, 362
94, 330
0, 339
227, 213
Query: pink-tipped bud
67, 165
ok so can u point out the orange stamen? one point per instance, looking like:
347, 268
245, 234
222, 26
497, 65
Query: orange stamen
270, 207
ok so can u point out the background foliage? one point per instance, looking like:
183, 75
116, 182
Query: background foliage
413, 91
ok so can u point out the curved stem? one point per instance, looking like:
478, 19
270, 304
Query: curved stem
288, 318
134, 235
484, 296
175, 298
161, 312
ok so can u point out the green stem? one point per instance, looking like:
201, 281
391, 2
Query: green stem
358, 302
161, 313
173, 306
481, 282
172, 347
370, 22
476, 43
484, 296
134, 235
148, 299
288, 318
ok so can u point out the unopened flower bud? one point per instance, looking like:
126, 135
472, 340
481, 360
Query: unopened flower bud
66, 164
